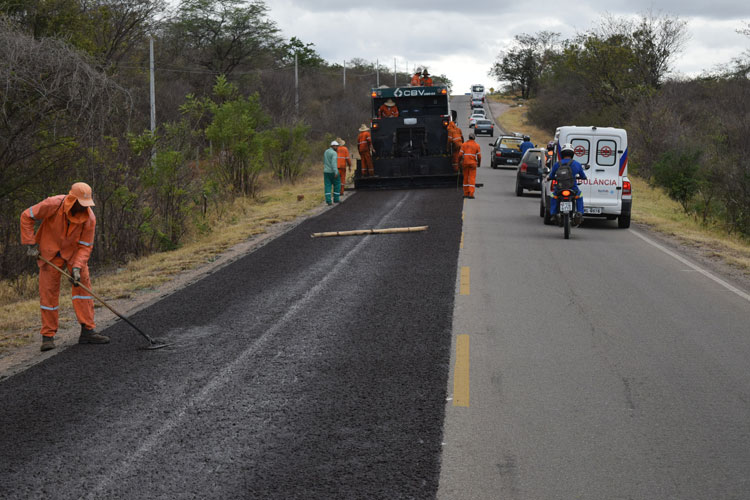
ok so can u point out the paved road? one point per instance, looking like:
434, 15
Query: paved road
312, 368
599, 367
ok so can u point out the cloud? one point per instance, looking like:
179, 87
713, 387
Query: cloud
462, 41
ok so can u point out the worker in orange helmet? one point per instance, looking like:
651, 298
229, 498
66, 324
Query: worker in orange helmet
388, 109
65, 238
416, 80
426, 80
470, 158
364, 144
455, 141
343, 161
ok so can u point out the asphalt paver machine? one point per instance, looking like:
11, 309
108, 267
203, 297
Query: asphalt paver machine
411, 150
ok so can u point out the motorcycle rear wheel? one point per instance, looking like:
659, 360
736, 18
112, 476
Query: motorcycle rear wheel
566, 225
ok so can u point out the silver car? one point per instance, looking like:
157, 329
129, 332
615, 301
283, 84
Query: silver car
484, 126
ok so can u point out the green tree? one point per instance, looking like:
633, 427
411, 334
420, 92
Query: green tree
221, 35
286, 149
527, 61
307, 56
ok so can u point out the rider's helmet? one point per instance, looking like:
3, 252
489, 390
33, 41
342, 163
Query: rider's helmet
567, 151
526, 138
551, 146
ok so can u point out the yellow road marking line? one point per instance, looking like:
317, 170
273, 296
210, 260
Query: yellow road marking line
461, 372
462, 240
465, 288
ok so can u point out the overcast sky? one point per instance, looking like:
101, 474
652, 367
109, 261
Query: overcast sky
462, 39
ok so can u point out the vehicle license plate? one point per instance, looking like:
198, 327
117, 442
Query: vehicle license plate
592, 210
512, 161
566, 206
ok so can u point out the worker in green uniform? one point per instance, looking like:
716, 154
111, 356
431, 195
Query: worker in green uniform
331, 177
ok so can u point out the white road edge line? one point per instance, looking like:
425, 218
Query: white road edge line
682, 259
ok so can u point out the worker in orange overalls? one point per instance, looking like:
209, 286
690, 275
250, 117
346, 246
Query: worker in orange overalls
65, 238
416, 80
343, 161
388, 109
364, 144
455, 140
470, 158
426, 80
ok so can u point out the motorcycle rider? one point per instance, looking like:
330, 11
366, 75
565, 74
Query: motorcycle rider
576, 171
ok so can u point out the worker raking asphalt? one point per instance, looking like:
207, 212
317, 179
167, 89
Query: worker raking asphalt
311, 368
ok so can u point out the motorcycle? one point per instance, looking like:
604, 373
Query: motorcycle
566, 203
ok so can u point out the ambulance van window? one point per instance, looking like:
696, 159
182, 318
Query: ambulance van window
581, 150
606, 150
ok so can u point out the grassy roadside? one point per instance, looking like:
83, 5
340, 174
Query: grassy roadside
651, 205
230, 224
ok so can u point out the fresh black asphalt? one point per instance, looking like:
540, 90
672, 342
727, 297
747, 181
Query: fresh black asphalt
311, 368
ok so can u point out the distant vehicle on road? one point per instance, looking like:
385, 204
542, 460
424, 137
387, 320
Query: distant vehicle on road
484, 126
505, 151
478, 113
477, 91
529, 175
477, 103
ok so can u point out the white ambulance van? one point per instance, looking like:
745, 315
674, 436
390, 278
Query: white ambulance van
603, 152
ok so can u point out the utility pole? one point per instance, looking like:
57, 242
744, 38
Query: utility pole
377, 72
296, 86
344, 74
152, 85
394, 72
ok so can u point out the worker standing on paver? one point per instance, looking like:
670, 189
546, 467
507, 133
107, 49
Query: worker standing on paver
343, 161
364, 144
65, 238
470, 158
416, 79
426, 80
331, 177
388, 109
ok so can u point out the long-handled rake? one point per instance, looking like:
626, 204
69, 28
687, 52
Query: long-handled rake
153, 343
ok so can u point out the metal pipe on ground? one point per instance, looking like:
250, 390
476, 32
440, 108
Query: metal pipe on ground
153, 343
360, 232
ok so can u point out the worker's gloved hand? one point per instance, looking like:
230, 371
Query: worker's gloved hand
32, 250
76, 276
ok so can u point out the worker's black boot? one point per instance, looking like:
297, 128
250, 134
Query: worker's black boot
48, 343
92, 337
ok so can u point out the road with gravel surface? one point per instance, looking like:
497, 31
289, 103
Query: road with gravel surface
486, 358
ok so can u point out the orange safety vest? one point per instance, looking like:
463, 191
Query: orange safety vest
416, 81
470, 154
387, 111
343, 160
364, 140
72, 236
426, 82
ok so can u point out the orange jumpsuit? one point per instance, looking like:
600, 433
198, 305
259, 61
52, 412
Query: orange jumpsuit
456, 139
470, 157
387, 111
426, 82
66, 240
342, 162
416, 80
365, 145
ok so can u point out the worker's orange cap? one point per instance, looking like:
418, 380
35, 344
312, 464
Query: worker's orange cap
82, 193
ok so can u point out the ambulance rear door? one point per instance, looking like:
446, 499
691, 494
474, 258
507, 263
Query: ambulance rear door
603, 183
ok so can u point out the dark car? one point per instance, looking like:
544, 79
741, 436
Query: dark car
484, 126
529, 175
506, 150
